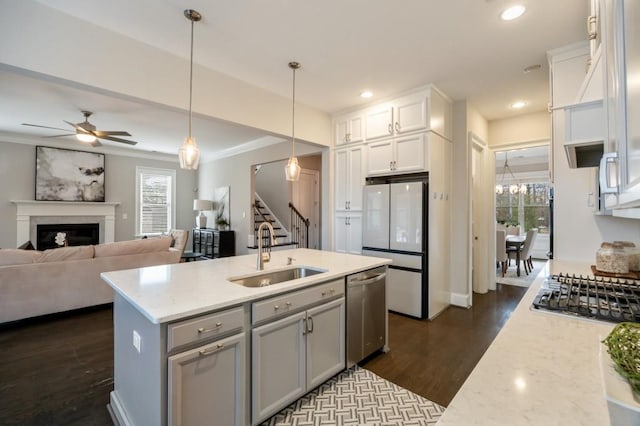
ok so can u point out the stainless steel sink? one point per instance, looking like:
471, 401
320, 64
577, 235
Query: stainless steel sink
276, 277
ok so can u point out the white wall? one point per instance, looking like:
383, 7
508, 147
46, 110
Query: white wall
274, 189
17, 177
44, 41
236, 171
520, 129
466, 119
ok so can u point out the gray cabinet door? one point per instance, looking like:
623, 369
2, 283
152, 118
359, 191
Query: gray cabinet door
325, 342
278, 364
208, 383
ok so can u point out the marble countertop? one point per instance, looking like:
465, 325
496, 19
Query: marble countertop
170, 292
541, 369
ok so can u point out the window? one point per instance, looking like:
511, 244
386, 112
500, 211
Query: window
530, 209
155, 200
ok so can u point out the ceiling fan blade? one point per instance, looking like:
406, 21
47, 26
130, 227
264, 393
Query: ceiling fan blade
95, 143
45, 127
103, 133
75, 126
58, 136
110, 138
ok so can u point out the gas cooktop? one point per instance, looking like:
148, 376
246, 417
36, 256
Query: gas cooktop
601, 298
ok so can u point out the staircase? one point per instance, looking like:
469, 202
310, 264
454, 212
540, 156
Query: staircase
261, 214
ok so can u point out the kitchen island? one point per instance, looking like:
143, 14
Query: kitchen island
190, 344
541, 369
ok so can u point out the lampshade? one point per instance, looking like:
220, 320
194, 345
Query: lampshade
202, 205
292, 169
189, 153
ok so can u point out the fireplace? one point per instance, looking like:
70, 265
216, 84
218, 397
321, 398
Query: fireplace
77, 234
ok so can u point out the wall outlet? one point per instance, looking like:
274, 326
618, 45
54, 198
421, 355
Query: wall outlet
137, 341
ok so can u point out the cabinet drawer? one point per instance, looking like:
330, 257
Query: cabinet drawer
204, 328
293, 302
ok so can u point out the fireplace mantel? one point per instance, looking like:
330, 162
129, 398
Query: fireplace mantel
26, 209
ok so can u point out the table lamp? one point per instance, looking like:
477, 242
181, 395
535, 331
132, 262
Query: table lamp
202, 205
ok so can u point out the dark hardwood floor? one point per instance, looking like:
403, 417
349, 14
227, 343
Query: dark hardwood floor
59, 371
434, 358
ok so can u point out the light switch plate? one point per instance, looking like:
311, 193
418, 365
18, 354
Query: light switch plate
137, 341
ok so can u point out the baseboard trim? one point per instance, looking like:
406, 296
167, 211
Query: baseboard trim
118, 415
459, 299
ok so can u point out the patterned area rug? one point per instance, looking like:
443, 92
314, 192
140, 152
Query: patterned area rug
358, 397
524, 280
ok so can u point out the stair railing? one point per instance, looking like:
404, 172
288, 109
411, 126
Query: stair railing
266, 241
299, 227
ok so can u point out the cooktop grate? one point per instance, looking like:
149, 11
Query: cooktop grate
604, 298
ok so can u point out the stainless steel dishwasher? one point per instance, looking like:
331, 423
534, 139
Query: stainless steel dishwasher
366, 314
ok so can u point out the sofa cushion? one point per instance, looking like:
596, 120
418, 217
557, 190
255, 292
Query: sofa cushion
120, 248
66, 253
18, 256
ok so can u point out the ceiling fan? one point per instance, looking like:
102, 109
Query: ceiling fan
86, 132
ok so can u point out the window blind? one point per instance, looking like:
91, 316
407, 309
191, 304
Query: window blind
155, 203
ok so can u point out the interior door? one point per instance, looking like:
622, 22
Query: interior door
406, 218
306, 198
375, 228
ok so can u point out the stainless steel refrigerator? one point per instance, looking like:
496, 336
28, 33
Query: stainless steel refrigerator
394, 226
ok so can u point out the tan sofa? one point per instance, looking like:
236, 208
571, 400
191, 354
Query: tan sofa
35, 283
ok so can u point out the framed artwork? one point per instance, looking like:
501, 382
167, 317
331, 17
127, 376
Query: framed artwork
69, 175
221, 203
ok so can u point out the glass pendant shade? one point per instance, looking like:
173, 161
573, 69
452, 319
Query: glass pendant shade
513, 188
292, 169
499, 189
189, 154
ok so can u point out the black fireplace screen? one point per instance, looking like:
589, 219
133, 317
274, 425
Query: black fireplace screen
75, 234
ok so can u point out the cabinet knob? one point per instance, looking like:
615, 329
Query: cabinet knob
390, 129
276, 307
397, 126
288, 303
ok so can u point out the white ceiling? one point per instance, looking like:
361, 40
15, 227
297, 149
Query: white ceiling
344, 46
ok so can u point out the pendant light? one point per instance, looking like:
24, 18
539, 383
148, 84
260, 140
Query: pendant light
292, 169
189, 153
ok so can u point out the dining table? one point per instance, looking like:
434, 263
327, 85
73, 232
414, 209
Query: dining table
515, 243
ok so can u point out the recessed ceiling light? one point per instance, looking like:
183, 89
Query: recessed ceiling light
366, 94
518, 105
513, 12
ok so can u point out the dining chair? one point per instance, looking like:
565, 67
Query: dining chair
525, 257
501, 250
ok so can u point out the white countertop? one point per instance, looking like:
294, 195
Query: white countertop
541, 369
169, 292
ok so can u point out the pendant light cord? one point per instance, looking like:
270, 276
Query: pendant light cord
191, 80
293, 117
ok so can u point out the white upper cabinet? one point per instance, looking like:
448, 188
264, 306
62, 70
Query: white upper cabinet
349, 128
379, 121
403, 115
349, 178
397, 155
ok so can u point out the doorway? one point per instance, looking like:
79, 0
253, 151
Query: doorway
305, 195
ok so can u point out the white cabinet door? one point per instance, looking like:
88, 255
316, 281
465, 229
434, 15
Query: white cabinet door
208, 383
378, 121
325, 342
354, 234
356, 178
381, 156
409, 154
349, 128
410, 113
349, 178
342, 179
340, 232
278, 362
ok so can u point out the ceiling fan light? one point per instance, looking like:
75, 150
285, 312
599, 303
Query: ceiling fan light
189, 154
85, 137
292, 169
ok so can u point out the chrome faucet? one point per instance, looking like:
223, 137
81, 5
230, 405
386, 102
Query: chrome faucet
266, 256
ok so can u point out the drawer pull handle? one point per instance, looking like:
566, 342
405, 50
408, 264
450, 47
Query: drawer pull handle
276, 307
212, 351
209, 330
288, 303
